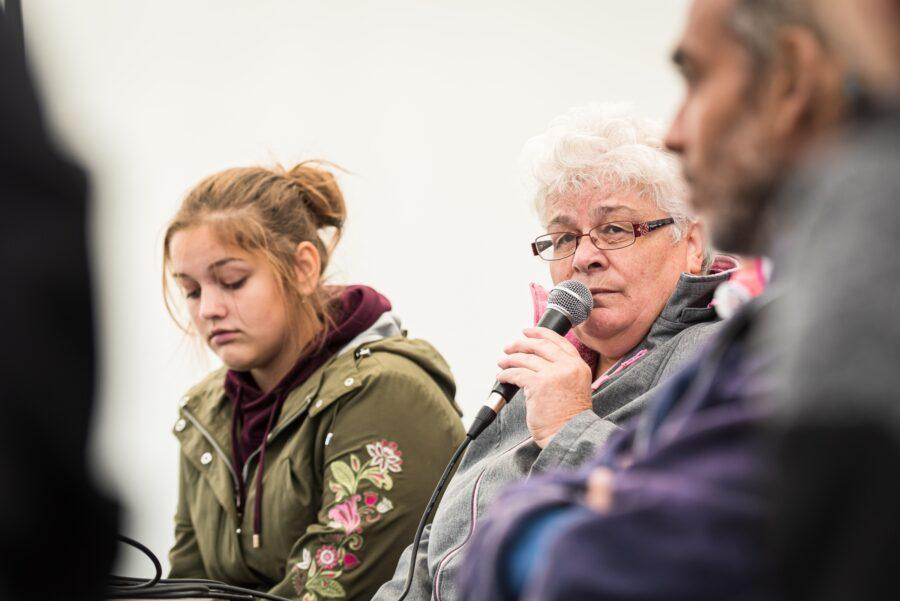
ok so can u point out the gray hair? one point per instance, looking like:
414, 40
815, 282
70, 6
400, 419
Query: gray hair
756, 24
606, 146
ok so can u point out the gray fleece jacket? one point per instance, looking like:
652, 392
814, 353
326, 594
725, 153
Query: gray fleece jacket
505, 451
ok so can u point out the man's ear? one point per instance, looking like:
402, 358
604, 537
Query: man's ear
307, 266
805, 84
696, 246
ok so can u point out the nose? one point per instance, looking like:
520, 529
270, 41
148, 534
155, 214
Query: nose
212, 304
675, 136
588, 258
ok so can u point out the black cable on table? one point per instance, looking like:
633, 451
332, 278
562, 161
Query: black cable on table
127, 587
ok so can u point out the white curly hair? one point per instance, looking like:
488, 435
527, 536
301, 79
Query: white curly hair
606, 146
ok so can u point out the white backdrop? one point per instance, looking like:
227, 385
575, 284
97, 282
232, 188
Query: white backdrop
427, 103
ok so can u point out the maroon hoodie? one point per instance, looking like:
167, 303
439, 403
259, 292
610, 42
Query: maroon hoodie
255, 411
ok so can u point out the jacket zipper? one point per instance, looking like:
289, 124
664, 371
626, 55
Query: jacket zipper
220, 452
436, 591
452, 553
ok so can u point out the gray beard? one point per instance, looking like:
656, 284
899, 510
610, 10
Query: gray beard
743, 189
745, 225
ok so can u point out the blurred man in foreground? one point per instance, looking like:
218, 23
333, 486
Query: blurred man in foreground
836, 524
676, 507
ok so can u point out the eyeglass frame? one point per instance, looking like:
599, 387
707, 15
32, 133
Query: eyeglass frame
639, 229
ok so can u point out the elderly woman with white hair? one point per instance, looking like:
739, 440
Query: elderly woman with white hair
614, 210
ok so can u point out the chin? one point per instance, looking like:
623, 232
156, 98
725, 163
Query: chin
236, 361
594, 331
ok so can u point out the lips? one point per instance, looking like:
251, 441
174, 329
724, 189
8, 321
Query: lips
222, 336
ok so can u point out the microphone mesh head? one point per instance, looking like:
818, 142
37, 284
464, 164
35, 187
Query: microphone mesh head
572, 298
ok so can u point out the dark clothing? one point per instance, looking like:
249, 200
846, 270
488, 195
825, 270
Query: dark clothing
688, 510
52, 519
838, 490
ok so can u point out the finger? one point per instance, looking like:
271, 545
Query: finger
518, 376
552, 337
599, 493
527, 360
536, 346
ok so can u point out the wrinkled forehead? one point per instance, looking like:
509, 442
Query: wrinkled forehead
591, 206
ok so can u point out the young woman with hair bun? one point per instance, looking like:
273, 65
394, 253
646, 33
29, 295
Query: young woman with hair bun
307, 459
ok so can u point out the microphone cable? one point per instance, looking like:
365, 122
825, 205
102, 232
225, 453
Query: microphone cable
430, 507
126, 587
569, 304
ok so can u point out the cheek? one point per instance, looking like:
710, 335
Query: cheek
266, 319
706, 117
260, 311
706, 120
635, 270
650, 274
723, 107
560, 271
193, 309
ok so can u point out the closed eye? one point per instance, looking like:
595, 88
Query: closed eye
234, 285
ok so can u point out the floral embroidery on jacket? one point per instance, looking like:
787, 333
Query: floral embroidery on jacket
316, 574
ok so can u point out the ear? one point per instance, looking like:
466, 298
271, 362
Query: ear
696, 244
307, 266
805, 83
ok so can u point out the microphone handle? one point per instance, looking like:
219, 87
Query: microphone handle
502, 392
506, 392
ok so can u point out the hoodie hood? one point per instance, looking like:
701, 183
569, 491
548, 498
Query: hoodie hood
387, 335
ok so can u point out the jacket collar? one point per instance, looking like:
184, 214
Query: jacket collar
694, 293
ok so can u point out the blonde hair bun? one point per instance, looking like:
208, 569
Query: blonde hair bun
320, 192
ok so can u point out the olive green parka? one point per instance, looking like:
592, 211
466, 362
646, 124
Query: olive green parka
350, 464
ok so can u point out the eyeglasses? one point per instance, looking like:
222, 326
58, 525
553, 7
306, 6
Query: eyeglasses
606, 236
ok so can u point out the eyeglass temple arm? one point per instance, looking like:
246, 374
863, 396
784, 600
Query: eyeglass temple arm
642, 229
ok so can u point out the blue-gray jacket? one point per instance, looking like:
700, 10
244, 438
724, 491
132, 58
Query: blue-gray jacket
506, 453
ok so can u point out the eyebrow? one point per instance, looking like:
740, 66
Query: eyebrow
562, 220
679, 57
212, 267
602, 211
596, 213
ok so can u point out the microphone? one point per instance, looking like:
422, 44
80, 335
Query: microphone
569, 304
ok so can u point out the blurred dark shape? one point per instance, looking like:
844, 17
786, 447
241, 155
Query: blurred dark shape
838, 528
56, 531
13, 10
837, 518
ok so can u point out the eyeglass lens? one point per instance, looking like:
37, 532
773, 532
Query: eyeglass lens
606, 236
